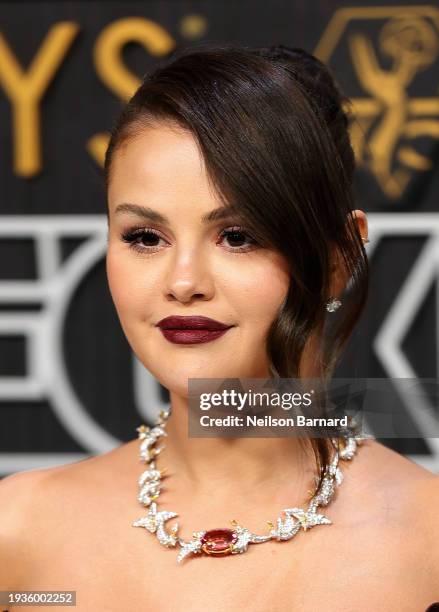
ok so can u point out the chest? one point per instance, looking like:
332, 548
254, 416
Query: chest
338, 568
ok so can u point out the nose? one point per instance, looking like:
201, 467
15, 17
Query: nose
188, 276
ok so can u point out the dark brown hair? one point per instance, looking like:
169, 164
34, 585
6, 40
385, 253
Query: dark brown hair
272, 127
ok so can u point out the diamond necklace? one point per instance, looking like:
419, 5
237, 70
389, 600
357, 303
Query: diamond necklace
219, 542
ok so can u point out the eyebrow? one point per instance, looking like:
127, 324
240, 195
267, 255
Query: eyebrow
217, 214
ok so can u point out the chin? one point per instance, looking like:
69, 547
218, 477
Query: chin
179, 375
174, 365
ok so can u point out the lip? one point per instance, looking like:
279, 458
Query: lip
192, 322
191, 329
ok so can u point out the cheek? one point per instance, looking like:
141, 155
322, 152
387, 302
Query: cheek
258, 294
124, 283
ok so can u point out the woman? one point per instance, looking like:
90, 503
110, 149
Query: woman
230, 197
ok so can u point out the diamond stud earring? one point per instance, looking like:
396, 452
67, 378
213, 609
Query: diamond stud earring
333, 304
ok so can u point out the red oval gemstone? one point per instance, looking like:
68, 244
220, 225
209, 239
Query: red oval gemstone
218, 541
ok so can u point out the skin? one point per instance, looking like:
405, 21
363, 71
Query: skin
192, 269
79, 513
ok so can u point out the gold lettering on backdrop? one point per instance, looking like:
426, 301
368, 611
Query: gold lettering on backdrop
25, 89
389, 118
111, 69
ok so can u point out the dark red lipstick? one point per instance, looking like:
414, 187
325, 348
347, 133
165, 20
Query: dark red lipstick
191, 329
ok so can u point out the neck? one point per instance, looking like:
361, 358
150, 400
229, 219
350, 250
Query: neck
234, 464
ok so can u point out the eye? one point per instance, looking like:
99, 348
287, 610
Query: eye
146, 240
143, 239
238, 239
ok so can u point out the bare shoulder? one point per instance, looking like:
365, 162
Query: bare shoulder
390, 480
394, 474
17, 492
425, 504
407, 493
35, 506
38, 487
20, 493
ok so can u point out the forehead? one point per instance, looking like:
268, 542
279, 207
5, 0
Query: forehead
158, 163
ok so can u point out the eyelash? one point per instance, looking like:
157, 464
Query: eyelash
134, 236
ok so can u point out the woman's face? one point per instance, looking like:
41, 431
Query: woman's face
180, 265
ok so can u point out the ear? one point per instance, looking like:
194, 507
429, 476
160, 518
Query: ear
340, 275
360, 219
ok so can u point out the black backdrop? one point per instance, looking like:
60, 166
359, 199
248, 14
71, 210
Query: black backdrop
65, 70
